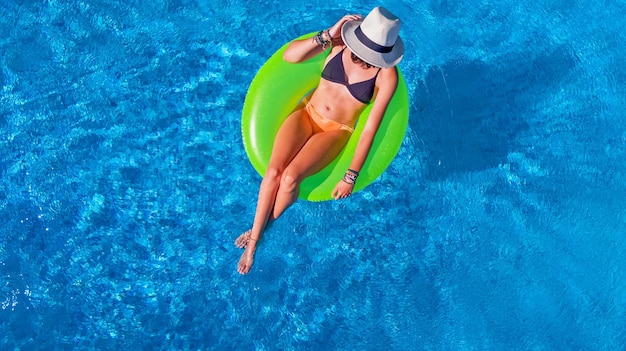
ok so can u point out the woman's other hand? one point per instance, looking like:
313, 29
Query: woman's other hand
342, 190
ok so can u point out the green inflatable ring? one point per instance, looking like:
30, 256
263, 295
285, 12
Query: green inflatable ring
273, 94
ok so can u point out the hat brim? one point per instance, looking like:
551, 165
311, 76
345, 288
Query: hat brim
378, 59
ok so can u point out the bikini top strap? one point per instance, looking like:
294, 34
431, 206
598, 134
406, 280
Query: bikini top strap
339, 54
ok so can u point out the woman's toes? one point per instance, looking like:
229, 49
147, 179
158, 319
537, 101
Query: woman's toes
242, 240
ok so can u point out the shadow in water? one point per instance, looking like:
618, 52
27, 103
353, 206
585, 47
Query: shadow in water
469, 114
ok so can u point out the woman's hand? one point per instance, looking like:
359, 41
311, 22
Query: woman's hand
335, 30
342, 190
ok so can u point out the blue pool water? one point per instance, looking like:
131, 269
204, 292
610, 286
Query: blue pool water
499, 226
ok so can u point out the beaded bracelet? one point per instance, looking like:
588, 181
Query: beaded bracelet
348, 180
330, 38
350, 176
323, 40
320, 40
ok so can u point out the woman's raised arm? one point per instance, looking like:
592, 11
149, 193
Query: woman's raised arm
303, 49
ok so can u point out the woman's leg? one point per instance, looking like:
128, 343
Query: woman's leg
291, 136
320, 150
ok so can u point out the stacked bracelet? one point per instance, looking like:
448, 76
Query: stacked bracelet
321, 40
330, 39
350, 176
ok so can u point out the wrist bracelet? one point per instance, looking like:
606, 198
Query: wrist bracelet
330, 38
320, 40
350, 177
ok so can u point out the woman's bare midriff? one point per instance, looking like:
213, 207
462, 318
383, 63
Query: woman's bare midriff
335, 102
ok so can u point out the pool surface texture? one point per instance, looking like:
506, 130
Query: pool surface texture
500, 225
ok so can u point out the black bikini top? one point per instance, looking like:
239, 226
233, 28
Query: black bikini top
335, 72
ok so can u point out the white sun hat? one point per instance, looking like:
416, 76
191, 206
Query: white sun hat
375, 39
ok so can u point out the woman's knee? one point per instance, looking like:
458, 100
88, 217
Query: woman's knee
272, 174
290, 180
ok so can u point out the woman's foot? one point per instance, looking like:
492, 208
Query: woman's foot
243, 239
246, 261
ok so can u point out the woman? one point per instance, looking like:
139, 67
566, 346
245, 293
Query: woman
359, 69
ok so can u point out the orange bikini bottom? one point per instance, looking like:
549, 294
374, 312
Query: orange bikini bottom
322, 122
